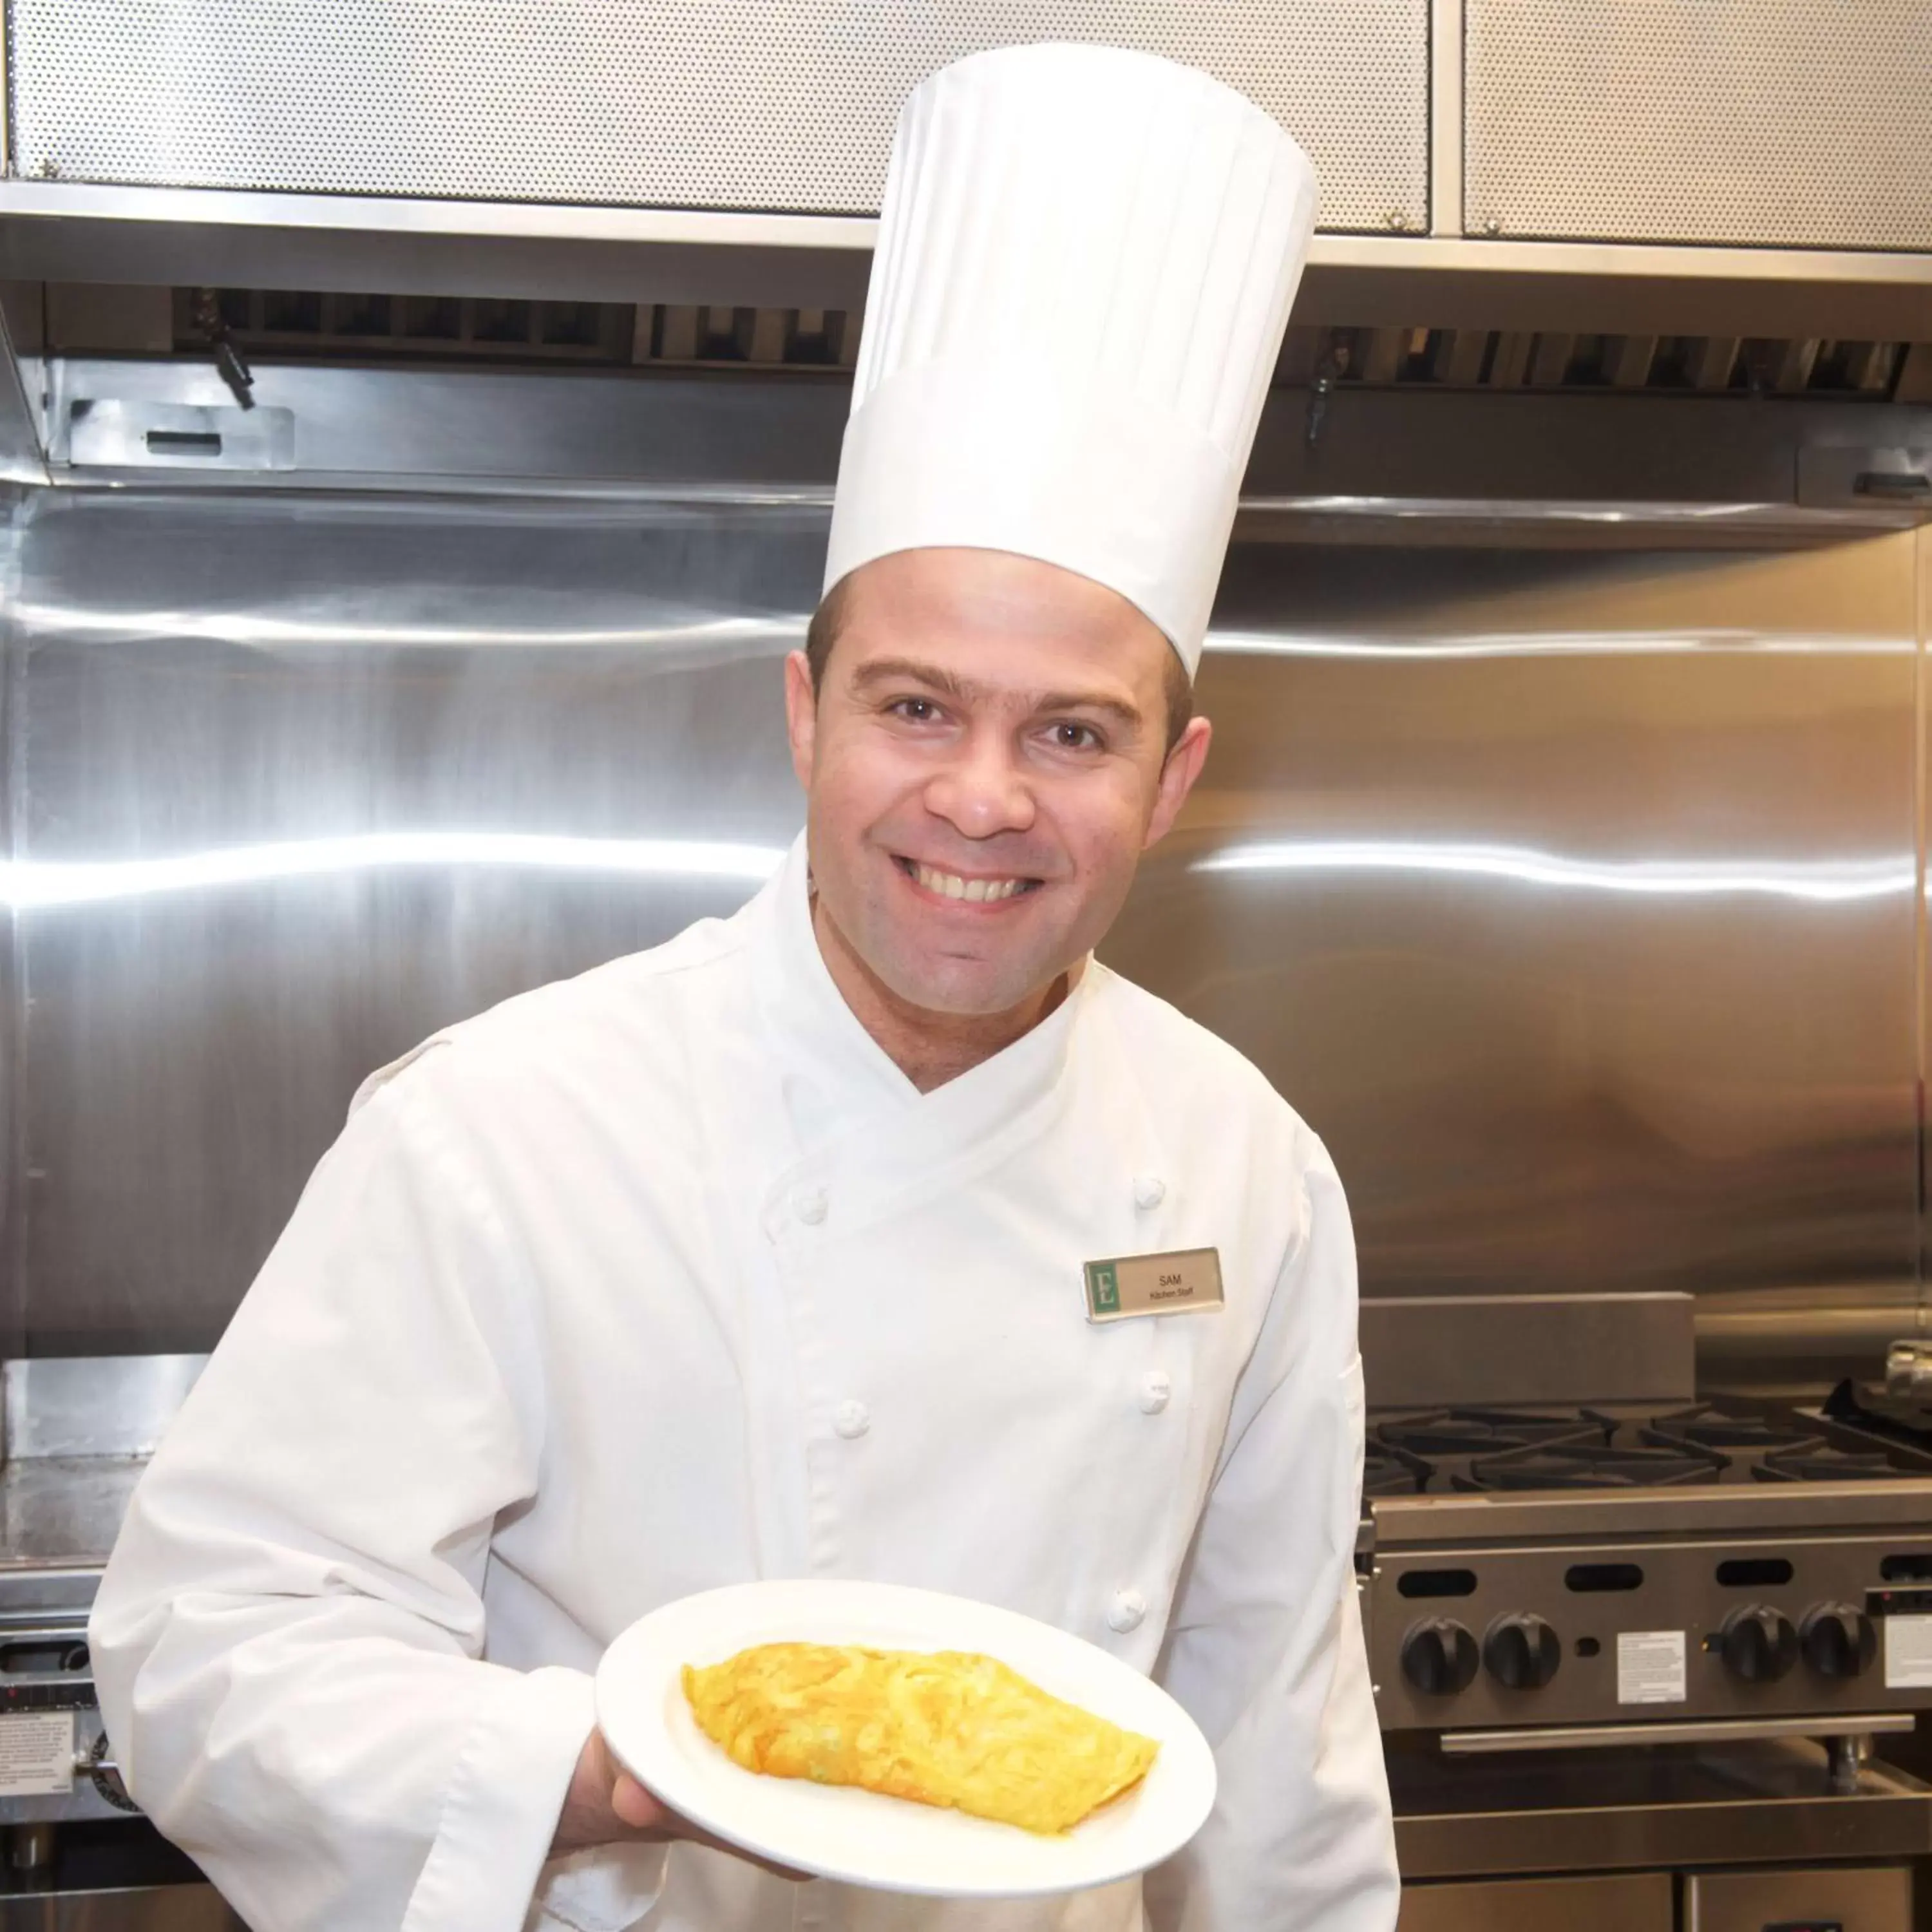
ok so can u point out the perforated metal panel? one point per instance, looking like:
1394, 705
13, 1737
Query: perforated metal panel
776, 104
1784, 123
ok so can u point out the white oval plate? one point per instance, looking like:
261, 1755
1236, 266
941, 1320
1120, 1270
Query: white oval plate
859, 1837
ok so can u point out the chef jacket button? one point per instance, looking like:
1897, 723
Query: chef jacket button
1150, 1190
1125, 1611
809, 1205
851, 1420
1156, 1388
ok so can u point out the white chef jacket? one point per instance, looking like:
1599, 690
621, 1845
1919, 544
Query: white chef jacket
665, 1278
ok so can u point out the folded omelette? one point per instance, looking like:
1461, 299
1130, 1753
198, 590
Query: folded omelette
947, 1727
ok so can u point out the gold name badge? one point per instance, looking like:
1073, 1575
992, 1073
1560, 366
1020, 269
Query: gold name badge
1185, 1282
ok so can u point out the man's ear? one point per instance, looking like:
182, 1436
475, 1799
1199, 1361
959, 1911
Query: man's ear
801, 715
1177, 774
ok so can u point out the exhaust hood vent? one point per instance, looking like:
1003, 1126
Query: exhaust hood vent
282, 324
1709, 365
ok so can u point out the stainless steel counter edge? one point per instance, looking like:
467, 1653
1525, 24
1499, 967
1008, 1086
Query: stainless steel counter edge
1694, 1510
87, 1405
1890, 1816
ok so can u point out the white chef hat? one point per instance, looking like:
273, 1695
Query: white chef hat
1085, 261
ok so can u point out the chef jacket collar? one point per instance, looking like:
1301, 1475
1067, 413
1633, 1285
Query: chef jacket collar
835, 1074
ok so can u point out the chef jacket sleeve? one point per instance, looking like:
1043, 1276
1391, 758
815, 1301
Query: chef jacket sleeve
1265, 1647
287, 1641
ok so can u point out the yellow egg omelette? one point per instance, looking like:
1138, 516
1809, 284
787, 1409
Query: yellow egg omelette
947, 1727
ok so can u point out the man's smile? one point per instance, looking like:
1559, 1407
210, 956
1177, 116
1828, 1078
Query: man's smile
982, 889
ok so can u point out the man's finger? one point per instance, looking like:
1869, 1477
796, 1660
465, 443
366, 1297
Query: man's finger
635, 1807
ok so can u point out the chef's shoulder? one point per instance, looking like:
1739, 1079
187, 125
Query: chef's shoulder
1205, 1090
642, 1018
1243, 1149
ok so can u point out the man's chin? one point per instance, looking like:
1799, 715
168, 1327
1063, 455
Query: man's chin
969, 996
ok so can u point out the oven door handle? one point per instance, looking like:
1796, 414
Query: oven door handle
1686, 1731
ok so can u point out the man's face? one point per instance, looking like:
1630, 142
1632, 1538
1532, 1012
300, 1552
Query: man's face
985, 762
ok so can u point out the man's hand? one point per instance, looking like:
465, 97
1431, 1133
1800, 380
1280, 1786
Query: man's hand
606, 1805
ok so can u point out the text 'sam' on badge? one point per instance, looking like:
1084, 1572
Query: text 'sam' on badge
1187, 1281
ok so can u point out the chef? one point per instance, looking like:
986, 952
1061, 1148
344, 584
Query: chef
783, 1250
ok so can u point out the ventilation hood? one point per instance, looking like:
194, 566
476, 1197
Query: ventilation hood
62, 231
1689, 207
1749, 168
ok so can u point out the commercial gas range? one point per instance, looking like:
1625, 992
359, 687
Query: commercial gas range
1630, 1652
1580, 1566
78, 1857
1632, 1649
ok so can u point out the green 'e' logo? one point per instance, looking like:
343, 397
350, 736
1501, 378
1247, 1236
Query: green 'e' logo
1103, 1287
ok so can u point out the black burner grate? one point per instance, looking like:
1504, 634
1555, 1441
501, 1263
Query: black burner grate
1432, 1451
1390, 1472
1819, 1462
1487, 1432
1706, 1427
1571, 1465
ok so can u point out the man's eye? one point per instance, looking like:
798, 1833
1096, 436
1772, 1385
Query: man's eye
1069, 736
918, 710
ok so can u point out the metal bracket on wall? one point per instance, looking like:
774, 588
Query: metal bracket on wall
1850, 476
114, 434
21, 458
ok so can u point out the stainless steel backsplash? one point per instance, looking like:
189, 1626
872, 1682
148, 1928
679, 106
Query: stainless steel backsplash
1570, 893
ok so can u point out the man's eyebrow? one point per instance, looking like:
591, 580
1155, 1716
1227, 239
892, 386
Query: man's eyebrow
884, 670
1118, 709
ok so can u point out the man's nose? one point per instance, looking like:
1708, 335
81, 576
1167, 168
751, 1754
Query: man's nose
982, 791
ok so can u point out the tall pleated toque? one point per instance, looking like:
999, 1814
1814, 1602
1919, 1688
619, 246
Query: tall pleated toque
1085, 264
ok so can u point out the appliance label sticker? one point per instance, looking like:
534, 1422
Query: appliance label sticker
36, 1754
1650, 1667
1908, 1653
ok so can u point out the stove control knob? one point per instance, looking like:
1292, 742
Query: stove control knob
1439, 1656
1758, 1643
1838, 1640
1521, 1651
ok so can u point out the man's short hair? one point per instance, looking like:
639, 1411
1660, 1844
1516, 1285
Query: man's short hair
822, 633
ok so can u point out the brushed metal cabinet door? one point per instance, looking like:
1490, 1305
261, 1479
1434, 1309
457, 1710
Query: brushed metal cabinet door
1869, 1898
158, 1908
1631, 1902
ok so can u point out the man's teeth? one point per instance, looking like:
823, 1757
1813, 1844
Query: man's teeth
954, 887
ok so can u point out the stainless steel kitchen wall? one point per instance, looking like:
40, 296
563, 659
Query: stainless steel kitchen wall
1570, 896
1569, 893
12, 1119
305, 781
